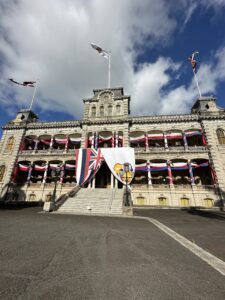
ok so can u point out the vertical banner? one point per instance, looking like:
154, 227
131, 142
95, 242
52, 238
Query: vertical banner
121, 162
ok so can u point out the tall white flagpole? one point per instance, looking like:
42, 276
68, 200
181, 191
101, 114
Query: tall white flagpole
194, 64
109, 69
35, 89
196, 80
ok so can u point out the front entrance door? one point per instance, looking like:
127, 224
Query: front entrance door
103, 177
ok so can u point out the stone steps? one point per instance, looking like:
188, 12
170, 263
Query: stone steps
95, 201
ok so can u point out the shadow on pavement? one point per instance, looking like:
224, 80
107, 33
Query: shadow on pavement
219, 215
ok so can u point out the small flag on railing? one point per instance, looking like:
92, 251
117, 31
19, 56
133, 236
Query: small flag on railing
25, 83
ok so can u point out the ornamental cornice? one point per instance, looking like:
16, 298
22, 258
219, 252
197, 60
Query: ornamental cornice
164, 118
114, 98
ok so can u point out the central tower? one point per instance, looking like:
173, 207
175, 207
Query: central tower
107, 104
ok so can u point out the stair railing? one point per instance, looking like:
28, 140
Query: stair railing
62, 199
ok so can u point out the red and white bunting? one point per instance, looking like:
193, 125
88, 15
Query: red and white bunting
61, 141
39, 168
174, 135
137, 138
155, 136
24, 167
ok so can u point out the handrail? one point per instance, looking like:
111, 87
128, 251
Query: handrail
61, 200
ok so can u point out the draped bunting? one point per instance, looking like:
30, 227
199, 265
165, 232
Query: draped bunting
39, 168
163, 166
55, 166
172, 135
46, 142
74, 140
192, 133
24, 167
61, 141
137, 138
69, 166
141, 167
155, 136
179, 166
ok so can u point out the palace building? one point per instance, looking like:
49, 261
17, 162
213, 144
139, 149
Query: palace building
179, 159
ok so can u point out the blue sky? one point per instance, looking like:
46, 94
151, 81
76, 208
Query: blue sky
150, 42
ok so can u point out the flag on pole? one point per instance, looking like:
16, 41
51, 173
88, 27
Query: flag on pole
193, 61
25, 83
101, 51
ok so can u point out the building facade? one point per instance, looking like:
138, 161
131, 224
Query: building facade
180, 159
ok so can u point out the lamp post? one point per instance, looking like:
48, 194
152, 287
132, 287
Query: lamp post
126, 170
55, 174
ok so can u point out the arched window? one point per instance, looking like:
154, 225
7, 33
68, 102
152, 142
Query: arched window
109, 110
162, 201
118, 109
101, 111
2, 172
221, 136
208, 202
10, 144
184, 202
32, 197
93, 111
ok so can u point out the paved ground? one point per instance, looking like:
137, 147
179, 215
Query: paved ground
46, 256
205, 228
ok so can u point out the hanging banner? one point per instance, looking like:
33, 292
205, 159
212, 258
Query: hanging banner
121, 162
88, 161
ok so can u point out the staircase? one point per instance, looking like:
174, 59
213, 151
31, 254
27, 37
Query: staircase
95, 201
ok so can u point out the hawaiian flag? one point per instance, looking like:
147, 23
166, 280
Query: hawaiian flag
102, 52
25, 83
88, 161
193, 61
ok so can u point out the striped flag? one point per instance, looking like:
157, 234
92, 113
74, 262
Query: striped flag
101, 51
24, 83
88, 161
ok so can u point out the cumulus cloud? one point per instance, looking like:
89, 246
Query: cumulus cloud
50, 40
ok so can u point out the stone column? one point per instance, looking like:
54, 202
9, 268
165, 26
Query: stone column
185, 141
112, 183
66, 145
169, 173
29, 172
149, 173
36, 145
165, 141
96, 140
45, 173
146, 141
191, 173
62, 173
93, 183
51, 143
117, 139
92, 140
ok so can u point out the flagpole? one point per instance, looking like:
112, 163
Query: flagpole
32, 100
109, 69
196, 80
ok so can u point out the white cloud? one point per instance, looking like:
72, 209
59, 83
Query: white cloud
50, 40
